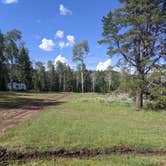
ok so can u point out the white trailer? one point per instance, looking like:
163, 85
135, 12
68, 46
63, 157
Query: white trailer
16, 86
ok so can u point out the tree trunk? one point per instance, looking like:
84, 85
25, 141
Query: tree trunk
109, 82
82, 81
11, 74
93, 85
64, 83
139, 67
139, 99
77, 82
109, 86
60, 82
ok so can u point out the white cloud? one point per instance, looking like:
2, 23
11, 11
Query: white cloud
61, 45
9, 1
70, 40
116, 68
59, 34
131, 69
61, 59
102, 66
64, 11
128, 69
47, 45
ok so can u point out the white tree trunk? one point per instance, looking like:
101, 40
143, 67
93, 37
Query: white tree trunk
82, 81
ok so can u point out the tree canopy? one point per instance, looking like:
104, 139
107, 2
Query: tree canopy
136, 32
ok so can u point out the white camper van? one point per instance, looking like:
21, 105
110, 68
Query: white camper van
17, 86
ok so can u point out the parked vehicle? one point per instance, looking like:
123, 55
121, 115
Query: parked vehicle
16, 86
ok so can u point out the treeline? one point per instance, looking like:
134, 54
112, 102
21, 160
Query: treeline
16, 66
135, 32
61, 77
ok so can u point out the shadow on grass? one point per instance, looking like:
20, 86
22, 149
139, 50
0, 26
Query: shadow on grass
12, 100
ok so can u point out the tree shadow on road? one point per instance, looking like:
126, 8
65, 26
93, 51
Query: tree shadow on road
11, 100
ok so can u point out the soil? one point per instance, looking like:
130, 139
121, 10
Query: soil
6, 157
11, 117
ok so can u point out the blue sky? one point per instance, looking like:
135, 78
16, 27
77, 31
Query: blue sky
39, 20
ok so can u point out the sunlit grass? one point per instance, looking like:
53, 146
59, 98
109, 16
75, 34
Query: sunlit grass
83, 122
101, 161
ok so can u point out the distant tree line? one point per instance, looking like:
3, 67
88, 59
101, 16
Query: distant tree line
135, 33
15, 63
16, 66
62, 78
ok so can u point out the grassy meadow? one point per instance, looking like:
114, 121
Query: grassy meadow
101, 161
91, 121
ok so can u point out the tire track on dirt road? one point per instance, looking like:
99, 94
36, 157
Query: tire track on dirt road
24, 113
6, 156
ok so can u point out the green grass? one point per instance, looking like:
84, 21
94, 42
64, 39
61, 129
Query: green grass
101, 161
91, 121
81, 123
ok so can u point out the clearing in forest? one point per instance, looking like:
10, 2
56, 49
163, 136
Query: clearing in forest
87, 129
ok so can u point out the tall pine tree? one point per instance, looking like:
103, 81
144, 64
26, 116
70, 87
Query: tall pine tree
136, 31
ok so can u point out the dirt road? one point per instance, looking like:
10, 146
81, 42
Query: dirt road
11, 117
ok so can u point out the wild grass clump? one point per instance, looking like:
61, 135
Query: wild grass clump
108, 98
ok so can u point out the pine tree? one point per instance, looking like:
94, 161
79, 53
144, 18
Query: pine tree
3, 68
11, 51
79, 51
24, 67
52, 77
39, 77
136, 31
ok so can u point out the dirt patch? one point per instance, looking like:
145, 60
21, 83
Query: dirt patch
11, 117
7, 157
